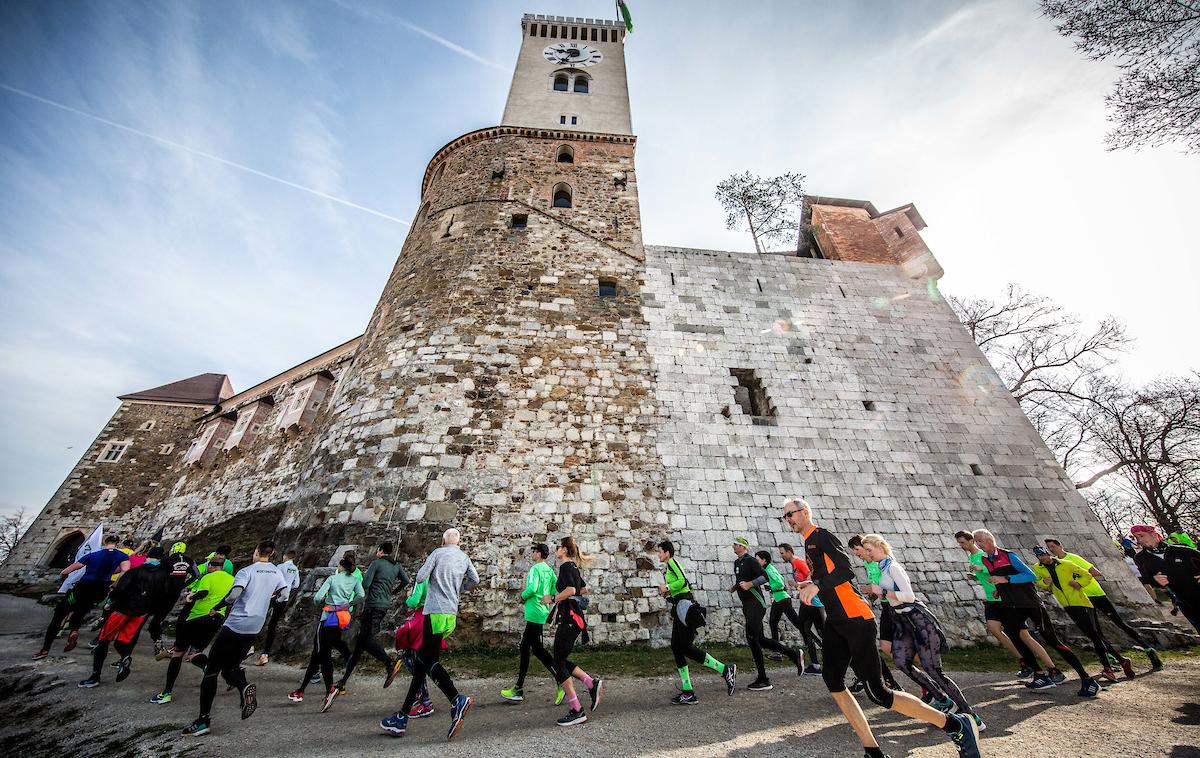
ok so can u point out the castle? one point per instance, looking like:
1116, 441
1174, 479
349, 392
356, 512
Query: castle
533, 370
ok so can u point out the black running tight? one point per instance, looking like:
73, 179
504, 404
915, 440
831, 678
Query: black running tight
531, 643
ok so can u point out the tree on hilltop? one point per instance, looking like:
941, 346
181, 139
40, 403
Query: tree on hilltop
768, 207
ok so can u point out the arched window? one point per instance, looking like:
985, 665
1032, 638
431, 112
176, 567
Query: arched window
64, 552
565, 154
561, 83
438, 173
422, 212
562, 195
581, 83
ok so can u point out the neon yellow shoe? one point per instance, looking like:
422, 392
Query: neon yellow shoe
514, 695
559, 697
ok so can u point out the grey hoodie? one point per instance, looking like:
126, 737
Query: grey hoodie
380, 581
449, 572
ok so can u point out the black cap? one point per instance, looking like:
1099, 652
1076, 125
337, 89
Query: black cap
542, 548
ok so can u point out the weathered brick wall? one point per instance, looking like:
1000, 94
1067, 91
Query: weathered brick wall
849, 234
823, 337
87, 496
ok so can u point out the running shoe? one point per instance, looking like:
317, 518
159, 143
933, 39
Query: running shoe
558, 696
572, 718
196, 728
760, 684
392, 672
343, 690
982, 727
91, 681
162, 698
856, 686
685, 698
514, 695
296, 696
812, 669
91, 645
1156, 663
263, 660
458, 714
1058, 676
395, 725
249, 701
967, 738
73, 640
421, 711
315, 678
160, 650
943, 704
1109, 675
1090, 688
1026, 673
1041, 682
330, 696
124, 668
799, 661
595, 692
729, 675
39, 655
1127, 667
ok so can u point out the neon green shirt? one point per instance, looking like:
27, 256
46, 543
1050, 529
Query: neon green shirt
1091, 590
539, 582
417, 598
677, 583
775, 581
874, 575
217, 584
984, 577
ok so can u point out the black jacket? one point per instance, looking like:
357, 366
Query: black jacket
141, 590
1180, 564
748, 569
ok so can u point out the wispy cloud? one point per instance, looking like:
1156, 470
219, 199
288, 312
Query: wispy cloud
374, 14
202, 154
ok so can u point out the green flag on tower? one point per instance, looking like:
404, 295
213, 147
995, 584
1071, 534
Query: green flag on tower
623, 10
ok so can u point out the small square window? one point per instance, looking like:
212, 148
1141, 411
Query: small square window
165, 449
574, 119
899, 232
112, 452
146, 426
519, 221
608, 288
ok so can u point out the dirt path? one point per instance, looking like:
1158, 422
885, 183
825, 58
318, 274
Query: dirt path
44, 713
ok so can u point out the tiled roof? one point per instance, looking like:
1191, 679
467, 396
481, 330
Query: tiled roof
202, 389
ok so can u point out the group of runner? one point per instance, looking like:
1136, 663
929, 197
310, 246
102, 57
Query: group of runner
836, 619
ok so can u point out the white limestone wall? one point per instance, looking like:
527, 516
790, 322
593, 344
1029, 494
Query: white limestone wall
825, 336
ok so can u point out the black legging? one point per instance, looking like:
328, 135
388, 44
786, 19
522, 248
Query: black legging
77, 603
853, 643
531, 642
1105, 606
683, 642
1014, 622
367, 641
326, 640
427, 664
565, 635
809, 620
225, 658
1085, 618
754, 613
278, 611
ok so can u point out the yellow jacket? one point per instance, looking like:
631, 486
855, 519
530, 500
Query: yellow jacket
1066, 572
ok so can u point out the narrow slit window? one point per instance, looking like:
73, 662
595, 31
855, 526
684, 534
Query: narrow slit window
544, 31
899, 232
533, 30
574, 120
593, 35
751, 396
759, 283
519, 220
604, 35
841, 290
608, 288
672, 278
574, 32
562, 119
976, 469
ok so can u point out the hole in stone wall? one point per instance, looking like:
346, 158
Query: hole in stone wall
976, 469
608, 288
899, 232
841, 290
756, 281
672, 278
750, 394
869, 405
519, 220
608, 618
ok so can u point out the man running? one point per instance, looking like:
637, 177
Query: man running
1099, 599
993, 609
183, 572
137, 592
279, 607
1176, 567
748, 580
1015, 583
683, 635
539, 582
384, 577
812, 617
99, 567
247, 602
1068, 583
849, 641
449, 572
197, 629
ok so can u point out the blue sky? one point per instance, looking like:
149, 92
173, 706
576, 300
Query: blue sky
126, 262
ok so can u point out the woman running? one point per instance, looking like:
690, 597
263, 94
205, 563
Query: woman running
569, 610
916, 632
683, 636
539, 582
339, 593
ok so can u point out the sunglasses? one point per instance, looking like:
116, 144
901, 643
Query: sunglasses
787, 516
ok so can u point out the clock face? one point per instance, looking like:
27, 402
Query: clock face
572, 54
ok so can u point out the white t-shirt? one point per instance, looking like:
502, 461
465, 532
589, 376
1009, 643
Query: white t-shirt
259, 582
291, 574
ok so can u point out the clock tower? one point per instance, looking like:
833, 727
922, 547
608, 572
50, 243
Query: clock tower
570, 74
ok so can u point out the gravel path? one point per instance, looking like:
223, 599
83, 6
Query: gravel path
46, 714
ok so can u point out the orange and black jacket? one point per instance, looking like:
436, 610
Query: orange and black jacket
834, 577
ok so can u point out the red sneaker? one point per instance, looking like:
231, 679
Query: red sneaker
72, 641
296, 696
421, 710
39, 655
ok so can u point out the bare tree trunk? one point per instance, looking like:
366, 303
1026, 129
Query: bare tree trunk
753, 232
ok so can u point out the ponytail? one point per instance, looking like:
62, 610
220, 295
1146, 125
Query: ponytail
572, 547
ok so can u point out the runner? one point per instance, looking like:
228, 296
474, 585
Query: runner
1176, 567
194, 632
337, 596
279, 607
993, 609
748, 580
917, 633
384, 577
570, 610
1015, 583
183, 572
539, 582
684, 609
849, 641
886, 628
408, 642
449, 572
781, 601
99, 566
1068, 583
136, 593
812, 617
1099, 600
247, 602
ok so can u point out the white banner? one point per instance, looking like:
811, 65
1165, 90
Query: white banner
94, 542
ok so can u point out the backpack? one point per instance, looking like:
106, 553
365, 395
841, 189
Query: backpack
691, 614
